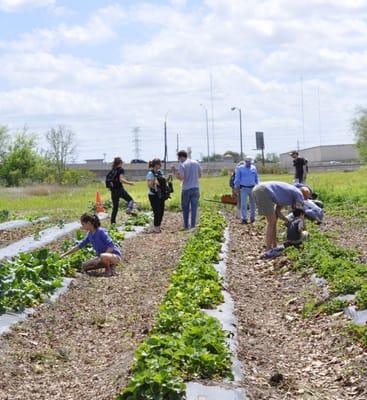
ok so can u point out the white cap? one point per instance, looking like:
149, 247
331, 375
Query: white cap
248, 159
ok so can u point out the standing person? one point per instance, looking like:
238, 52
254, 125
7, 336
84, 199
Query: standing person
189, 172
246, 178
270, 198
234, 191
108, 254
300, 167
118, 191
157, 192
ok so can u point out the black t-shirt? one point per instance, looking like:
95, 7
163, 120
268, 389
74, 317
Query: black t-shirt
120, 171
299, 164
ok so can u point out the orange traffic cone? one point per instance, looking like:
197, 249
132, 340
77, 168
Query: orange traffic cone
99, 204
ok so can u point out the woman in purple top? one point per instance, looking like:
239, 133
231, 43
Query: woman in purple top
108, 254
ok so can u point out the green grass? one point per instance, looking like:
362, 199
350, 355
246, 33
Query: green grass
344, 193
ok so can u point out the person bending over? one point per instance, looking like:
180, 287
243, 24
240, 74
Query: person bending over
270, 198
108, 254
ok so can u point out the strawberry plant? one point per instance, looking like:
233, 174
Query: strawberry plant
26, 280
185, 343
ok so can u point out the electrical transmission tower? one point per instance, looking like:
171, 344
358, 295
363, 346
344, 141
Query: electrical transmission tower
136, 141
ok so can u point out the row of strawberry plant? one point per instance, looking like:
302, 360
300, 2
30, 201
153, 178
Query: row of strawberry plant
340, 267
185, 342
26, 280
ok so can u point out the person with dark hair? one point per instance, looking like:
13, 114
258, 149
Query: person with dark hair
296, 232
108, 254
117, 189
300, 167
189, 172
157, 192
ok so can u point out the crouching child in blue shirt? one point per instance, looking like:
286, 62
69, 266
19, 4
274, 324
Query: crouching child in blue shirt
108, 254
296, 232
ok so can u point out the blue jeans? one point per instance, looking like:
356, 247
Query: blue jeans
190, 201
245, 194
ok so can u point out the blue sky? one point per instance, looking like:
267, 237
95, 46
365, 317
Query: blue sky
104, 67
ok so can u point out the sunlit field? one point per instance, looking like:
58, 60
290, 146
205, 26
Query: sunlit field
339, 190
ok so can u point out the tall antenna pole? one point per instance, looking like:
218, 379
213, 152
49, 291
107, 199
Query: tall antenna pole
319, 104
212, 110
136, 141
303, 115
177, 144
165, 146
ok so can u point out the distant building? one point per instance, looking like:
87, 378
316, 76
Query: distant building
324, 155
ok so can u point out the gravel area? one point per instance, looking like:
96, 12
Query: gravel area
82, 346
284, 355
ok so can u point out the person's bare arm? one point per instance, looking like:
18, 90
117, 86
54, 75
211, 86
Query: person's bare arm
125, 181
71, 251
280, 215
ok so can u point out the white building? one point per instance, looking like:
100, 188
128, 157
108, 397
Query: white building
322, 155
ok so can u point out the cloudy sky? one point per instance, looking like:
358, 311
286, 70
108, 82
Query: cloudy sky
103, 68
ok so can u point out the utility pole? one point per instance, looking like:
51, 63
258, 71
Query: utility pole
241, 141
212, 110
319, 104
177, 143
165, 143
303, 115
207, 134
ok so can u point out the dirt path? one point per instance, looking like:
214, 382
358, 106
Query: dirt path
81, 348
314, 357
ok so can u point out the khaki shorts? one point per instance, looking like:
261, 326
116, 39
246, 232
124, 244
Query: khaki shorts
264, 202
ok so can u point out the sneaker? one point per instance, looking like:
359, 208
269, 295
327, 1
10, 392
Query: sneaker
252, 221
244, 222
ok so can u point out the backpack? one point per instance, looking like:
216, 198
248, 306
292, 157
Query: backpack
164, 188
231, 180
111, 179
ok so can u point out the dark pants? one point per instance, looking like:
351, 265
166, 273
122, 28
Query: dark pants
116, 194
158, 209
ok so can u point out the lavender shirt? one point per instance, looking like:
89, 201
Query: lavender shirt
101, 241
190, 172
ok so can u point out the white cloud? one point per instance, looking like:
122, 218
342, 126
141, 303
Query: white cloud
99, 28
16, 5
256, 50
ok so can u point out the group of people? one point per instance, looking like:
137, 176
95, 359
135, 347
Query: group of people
269, 198
159, 189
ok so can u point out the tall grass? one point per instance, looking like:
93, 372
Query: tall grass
338, 189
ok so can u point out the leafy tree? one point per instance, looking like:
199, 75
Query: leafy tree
236, 156
61, 141
4, 141
359, 125
213, 157
20, 162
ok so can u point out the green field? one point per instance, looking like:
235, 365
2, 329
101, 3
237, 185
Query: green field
341, 191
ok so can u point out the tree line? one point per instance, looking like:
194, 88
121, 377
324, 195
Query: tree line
22, 162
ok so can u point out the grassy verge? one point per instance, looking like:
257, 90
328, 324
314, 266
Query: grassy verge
185, 343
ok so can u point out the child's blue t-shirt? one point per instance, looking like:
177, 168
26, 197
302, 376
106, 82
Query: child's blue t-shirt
101, 241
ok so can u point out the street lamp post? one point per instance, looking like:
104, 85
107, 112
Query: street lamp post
165, 143
207, 133
241, 144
